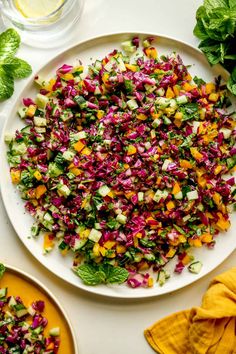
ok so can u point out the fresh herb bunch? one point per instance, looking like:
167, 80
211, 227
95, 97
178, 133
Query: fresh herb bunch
216, 27
11, 67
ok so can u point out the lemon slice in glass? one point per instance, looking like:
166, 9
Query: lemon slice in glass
37, 8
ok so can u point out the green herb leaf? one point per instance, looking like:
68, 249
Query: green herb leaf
6, 84
2, 270
9, 43
22, 68
212, 4
115, 274
89, 274
105, 273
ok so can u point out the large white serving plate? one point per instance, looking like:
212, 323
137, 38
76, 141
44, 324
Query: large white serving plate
61, 266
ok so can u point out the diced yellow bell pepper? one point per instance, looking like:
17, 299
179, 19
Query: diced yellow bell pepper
15, 176
188, 77
151, 52
84, 234
195, 153
76, 171
201, 181
196, 242
67, 76
141, 116
37, 175
120, 249
150, 282
213, 97
100, 113
132, 67
86, 151
31, 110
210, 87
176, 90
40, 190
170, 205
222, 223
78, 146
218, 169
178, 115
176, 189
171, 253
131, 150
126, 166
206, 237
187, 259
170, 93
96, 249
187, 87
109, 244
48, 242
186, 164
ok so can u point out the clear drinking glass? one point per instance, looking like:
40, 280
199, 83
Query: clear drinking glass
42, 31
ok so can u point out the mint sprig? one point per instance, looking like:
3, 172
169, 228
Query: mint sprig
106, 273
11, 67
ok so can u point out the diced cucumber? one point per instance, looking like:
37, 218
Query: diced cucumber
121, 64
160, 91
162, 102
166, 120
149, 256
140, 196
160, 194
3, 292
9, 137
54, 332
78, 136
156, 123
18, 148
195, 267
63, 190
132, 104
20, 310
48, 217
166, 164
40, 130
68, 155
121, 219
162, 277
38, 330
104, 190
128, 47
40, 121
22, 112
226, 132
179, 195
35, 230
79, 243
41, 100
31, 311
182, 99
95, 235
54, 170
193, 195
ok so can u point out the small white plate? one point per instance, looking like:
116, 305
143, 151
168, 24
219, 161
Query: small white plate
31, 289
61, 266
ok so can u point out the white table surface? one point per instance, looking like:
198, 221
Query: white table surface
105, 325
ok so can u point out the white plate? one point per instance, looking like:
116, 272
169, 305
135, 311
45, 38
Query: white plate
21, 221
52, 305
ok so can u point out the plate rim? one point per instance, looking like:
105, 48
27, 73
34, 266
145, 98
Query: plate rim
44, 289
93, 289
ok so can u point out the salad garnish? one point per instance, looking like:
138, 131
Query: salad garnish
126, 164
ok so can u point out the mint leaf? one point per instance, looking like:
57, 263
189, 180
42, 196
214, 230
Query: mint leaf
2, 270
105, 273
212, 4
9, 43
21, 68
115, 274
6, 84
89, 274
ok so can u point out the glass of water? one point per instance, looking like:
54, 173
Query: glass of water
41, 23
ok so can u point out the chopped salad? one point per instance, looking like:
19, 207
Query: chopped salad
22, 327
124, 163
